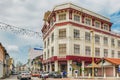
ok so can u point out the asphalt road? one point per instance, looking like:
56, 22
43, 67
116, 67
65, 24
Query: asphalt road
14, 77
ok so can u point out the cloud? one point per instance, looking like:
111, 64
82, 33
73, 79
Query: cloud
12, 48
29, 14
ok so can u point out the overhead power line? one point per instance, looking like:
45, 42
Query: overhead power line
17, 30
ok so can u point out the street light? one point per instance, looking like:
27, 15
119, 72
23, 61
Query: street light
92, 53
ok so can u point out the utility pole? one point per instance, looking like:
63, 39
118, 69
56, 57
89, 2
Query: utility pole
92, 53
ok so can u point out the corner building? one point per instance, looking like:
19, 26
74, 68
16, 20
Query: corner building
67, 34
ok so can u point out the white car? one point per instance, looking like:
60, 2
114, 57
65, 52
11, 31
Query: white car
24, 75
45, 75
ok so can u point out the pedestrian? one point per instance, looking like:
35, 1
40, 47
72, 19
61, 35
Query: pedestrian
61, 74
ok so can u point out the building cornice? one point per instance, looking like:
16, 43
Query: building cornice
81, 26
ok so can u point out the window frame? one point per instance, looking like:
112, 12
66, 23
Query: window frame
87, 50
88, 21
76, 18
76, 33
62, 17
97, 38
62, 48
96, 24
97, 51
87, 36
76, 49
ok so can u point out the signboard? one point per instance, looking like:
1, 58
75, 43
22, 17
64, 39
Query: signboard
119, 68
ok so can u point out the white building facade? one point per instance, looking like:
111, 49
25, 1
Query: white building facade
67, 34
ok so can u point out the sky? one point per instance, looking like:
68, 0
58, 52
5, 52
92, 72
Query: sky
28, 14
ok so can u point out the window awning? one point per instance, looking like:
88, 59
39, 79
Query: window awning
115, 61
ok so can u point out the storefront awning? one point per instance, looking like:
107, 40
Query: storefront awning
115, 61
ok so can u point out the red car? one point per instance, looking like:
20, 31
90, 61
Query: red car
35, 74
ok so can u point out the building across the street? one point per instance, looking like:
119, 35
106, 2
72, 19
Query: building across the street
34, 60
76, 39
2, 54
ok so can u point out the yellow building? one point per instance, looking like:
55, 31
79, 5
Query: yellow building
2, 55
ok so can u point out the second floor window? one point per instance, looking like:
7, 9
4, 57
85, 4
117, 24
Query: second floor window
88, 21
118, 43
113, 53
52, 51
76, 33
87, 50
97, 51
62, 33
87, 36
76, 49
48, 42
118, 54
62, 17
62, 48
105, 52
77, 18
52, 37
45, 44
112, 42
44, 55
105, 41
48, 54
97, 38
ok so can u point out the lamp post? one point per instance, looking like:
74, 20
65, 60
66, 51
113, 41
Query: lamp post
92, 53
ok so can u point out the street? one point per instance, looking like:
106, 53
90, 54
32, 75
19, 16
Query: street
14, 77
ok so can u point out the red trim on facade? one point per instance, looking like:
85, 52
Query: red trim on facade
81, 26
83, 15
70, 14
71, 57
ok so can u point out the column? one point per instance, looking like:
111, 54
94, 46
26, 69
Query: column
83, 68
47, 67
114, 71
43, 67
69, 68
50, 67
56, 65
104, 73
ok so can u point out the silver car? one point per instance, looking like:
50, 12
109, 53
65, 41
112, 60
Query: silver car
24, 75
45, 75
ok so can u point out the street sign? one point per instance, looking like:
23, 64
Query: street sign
119, 68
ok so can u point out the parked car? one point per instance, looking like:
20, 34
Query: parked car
35, 74
55, 75
24, 75
45, 75
14, 73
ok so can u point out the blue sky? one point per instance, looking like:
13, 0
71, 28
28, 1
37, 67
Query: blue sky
28, 14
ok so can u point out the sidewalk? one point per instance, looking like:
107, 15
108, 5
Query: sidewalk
109, 78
